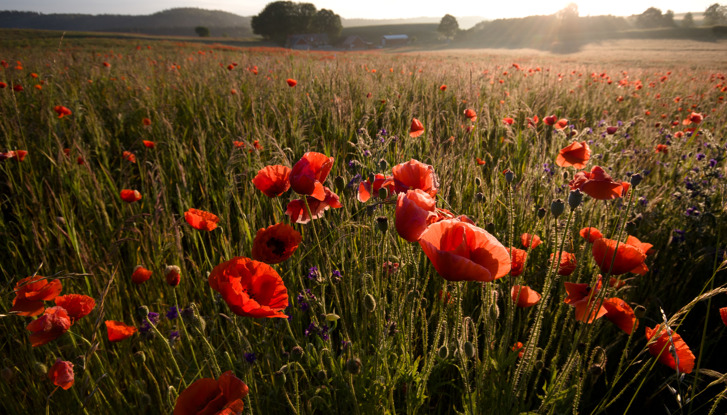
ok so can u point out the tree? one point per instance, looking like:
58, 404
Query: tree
688, 20
325, 21
448, 26
715, 14
280, 19
202, 31
668, 19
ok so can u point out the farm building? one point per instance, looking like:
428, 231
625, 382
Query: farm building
390, 41
308, 41
355, 43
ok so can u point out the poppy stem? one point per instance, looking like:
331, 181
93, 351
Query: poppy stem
169, 349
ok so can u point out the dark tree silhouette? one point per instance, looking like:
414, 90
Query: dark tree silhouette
448, 26
325, 21
202, 31
688, 20
715, 14
280, 19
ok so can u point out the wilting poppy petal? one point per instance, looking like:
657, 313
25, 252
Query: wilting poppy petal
309, 173
517, 260
299, 214
621, 314
118, 331
30, 292
625, 258
61, 373
130, 196
526, 238
201, 220
463, 252
416, 128
415, 175
50, 326
172, 275
208, 396
275, 244
524, 296
140, 275
415, 211
272, 180
576, 155
661, 348
250, 288
590, 234
76, 305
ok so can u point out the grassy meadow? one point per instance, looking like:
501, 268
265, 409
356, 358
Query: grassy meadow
371, 326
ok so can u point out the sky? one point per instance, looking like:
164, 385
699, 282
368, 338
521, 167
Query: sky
370, 9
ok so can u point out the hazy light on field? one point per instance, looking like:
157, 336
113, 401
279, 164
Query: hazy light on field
372, 9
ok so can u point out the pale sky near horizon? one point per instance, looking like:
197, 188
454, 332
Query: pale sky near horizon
370, 9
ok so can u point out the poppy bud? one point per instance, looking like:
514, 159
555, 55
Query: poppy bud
539, 365
478, 182
383, 164
322, 375
575, 198
479, 196
383, 193
490, 228
339, 183
557, 207
469, 350
639, 311
279, 378
40, 368
565, 174
635, 179
297, 352
370, 303
443, 352
595, 370
353, 365
142, 312
172, 275
372, 177
509, 175
541, 213
382, 223
140, 356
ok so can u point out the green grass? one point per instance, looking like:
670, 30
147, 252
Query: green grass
428, 345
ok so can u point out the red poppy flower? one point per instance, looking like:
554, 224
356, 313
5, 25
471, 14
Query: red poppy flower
291, 82
567, 263
480, 162
526, 238
508, 120
130, 196
524, 296
140, 275
117, 330
172, 275
273, 180
30, 292
146, 121
576, 155
77, 305
518, 347
460, 251
625, 257
415, 211
129, 156
694, 117
561, 124
416, 128
443, 88
532, 122
723, 314
585, 299
662, 148
550, 120
14, 154
149, 144
471, 114
309, 173
590, 234
275, 244
50, 326
643, 246
611, 130
207, 396
621, 314
298, 214
598, 184
517, 260
201, 220
18, 88
61, 111
415, 175
61, 373
664, 348
250, 288
365, 188
106, 64
3, 85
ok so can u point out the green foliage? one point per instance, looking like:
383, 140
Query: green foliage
715, 14
202, 31
280, 19
448, 26
396, 339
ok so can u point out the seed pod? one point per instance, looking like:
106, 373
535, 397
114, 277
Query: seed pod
382, 223
469, 350
575, 198
353, 365
370, 303
557, 207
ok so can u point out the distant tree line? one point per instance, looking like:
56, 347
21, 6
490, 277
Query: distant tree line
280, 19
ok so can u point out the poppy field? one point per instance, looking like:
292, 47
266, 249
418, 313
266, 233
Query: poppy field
203, 229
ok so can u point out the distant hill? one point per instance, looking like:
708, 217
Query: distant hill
465, 22
179, 21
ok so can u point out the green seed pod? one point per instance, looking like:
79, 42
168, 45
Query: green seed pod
40, 368
297, 352
479, 196
322, 375
557, 207
7, 374
636, 179
469, 350
509, 176
383, 165
575, 198
478, 182
383, 193
382, 223
353, 365
142, 312
639, 311
140, 357
279, 379
541, 212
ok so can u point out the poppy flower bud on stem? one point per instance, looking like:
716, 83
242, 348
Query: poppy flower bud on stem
575, 198
635, 179
541, 213
478, 182
443, 352
172, 275
509, 176
469, 350
639, 311
370, 303
490, 227
142, 312
140, 356
382, 223
297, 352
353, 365
383, 193
479, 196
383, 164
557, 207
